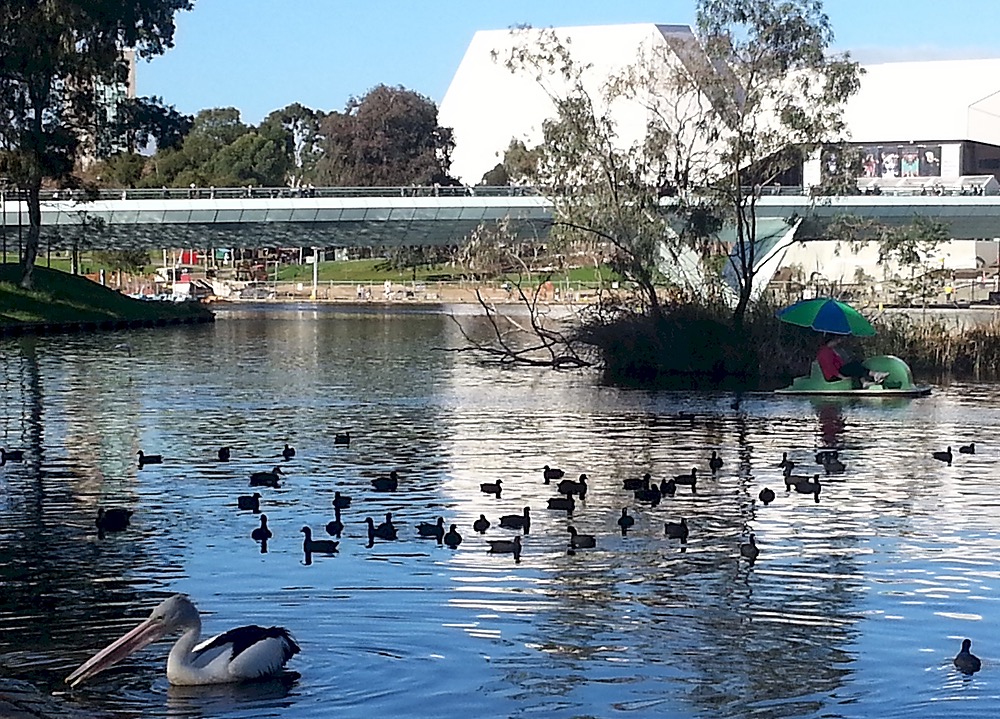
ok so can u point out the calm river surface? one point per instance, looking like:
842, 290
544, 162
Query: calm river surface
855, 607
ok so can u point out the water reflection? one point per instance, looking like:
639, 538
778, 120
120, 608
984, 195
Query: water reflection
850, 600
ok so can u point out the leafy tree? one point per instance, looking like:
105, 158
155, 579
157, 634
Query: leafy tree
123, 169
390, 136
147, 119
518, 165
780, 101
212, 130
53, 54
301, 128
123, 260
257, 158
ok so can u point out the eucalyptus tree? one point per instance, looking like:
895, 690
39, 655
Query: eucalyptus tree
54, 54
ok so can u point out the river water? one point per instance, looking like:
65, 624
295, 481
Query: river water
854, 608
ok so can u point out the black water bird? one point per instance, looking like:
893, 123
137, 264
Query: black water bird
114, 519
677, 530
266, 479
834, 466
506, 546
809, 487
566, 504
945, 456
249, 501
715, 463
341, 501
551, 473
580, 541
342, 438
750, 550
967, 448
262, 533
792, 479
634, 483
965, 661
382, 531
452, 538
766, 495
317, 546
569, 487
516, 521
491, 488
668, 487
689, 480
825, 455
784, 460
11, 455
650, 494
386, 484
335, 527
145, 459
288, 452
224, 454
432, 530
481, 524
625, 521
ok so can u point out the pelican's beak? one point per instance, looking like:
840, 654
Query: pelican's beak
144, 634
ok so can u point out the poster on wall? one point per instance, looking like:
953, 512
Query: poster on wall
900, 161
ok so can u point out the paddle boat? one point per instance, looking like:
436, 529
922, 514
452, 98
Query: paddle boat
898, 382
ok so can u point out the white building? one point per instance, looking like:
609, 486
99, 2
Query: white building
916, 123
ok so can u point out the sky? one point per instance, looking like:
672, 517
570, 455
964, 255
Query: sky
261, 55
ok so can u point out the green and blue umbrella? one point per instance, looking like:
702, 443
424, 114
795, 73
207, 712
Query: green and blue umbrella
825, 314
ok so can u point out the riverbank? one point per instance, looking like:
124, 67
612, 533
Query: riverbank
64, 302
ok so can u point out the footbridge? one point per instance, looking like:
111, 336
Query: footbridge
388, 216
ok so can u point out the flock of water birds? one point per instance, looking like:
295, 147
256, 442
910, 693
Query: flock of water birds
644, 490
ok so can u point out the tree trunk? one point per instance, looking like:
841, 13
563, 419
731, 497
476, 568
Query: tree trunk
34, 231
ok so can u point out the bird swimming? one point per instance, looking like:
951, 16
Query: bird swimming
113, 519
677, 530
481, 524
506, 546
266, 479
551, 473
564, 503
317, 546
342, 438
249, 501
288, 452
262, 533
688, 480
382, 531
625, 521
335, 527
766, 495
491, 488
432, 530
967, 448
145, 459
224, 454
750, 550
634, 483
516, 521
809, 487
569, 487
452, 538
11, 455
965, 661
386, 484
341, 501
239, 655
945, 456
715, 463
580, 541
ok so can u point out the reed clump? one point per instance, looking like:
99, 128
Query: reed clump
937, 347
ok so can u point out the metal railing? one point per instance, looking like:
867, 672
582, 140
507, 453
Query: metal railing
254, 192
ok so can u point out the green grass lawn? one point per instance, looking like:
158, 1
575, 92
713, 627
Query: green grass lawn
62, 297
375, 271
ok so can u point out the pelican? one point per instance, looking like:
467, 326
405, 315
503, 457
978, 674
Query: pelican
319, 546
288, 452
516, 521
149, 458
481, 524
551, 473
114, 519
224, 454
249, 501
342, 438
239, 655
452, 538
266, 479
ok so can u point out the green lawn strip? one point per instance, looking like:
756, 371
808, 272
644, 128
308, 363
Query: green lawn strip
61, 297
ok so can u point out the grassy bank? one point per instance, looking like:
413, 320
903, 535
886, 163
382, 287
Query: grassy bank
60, 297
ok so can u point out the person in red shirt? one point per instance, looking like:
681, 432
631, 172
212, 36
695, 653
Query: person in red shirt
834, 367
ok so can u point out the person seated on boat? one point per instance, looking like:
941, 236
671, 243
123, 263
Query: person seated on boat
834, 367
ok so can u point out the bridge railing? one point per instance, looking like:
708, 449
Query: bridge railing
212, 193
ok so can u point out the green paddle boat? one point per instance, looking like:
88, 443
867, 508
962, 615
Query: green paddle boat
898, 383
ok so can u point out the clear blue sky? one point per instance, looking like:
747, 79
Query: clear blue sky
260, 55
